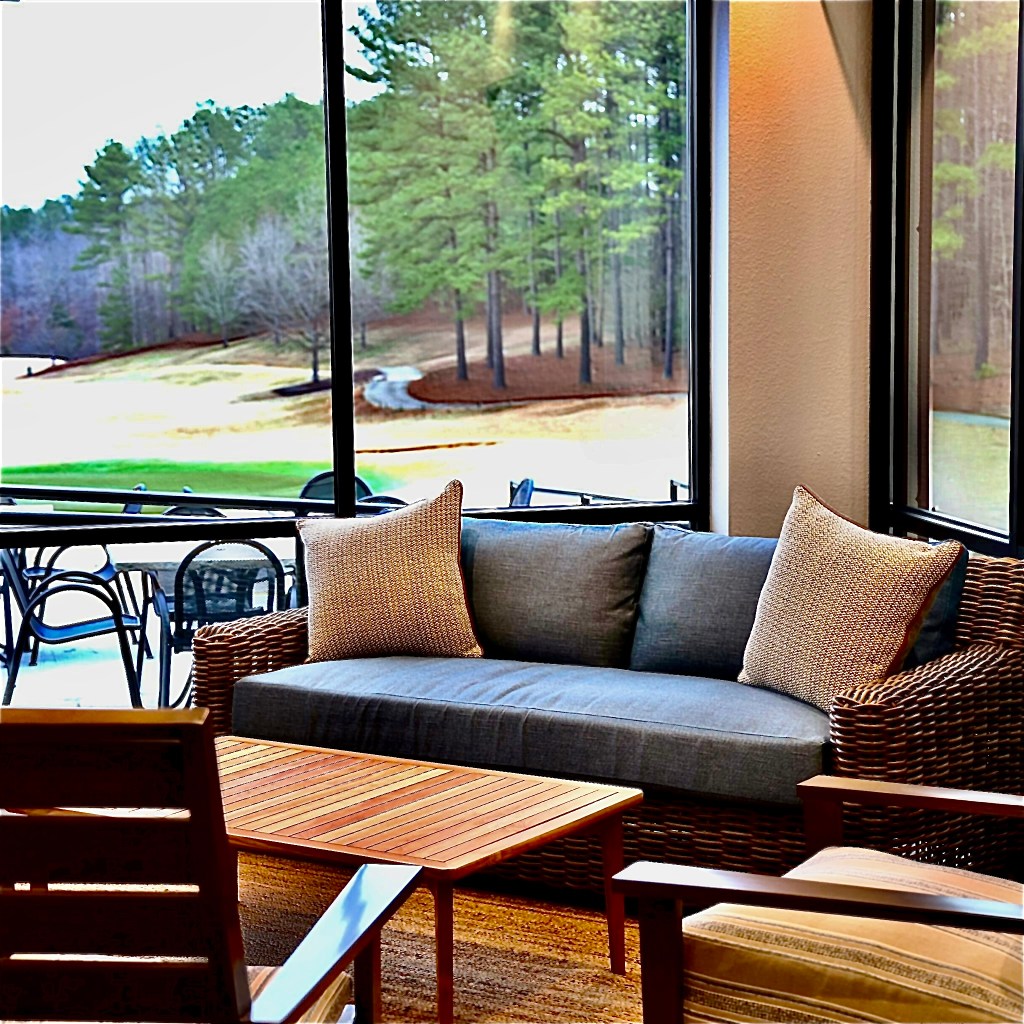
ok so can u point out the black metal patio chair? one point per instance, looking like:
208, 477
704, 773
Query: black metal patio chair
321, 487
37, 627
217, 581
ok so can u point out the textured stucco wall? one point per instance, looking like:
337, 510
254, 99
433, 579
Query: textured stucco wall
798, 254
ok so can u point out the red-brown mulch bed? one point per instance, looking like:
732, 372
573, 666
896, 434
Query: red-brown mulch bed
530, 378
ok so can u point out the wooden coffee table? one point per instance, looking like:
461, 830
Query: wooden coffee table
347, 808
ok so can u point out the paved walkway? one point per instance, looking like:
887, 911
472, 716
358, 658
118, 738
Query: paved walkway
390, 390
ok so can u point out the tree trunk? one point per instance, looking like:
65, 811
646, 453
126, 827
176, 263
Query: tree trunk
981, 308
560, 339
462, 368
534, 296
586, 374
620, 319
670, 292
494, 326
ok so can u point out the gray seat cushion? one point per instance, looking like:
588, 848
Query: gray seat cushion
554, 592
707, 736
698, 602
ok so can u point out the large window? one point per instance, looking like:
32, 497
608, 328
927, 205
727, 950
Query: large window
521, 224
165, 285
476, 255
957, 304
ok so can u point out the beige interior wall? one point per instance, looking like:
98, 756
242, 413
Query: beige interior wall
796, 405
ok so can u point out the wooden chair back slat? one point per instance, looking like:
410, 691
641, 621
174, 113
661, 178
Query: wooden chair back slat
102, 923
88, 848
120, 765
140, 991
91, 770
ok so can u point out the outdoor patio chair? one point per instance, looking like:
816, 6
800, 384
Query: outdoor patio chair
88, 589
850, 934
134, 508
321, 487
194, 510
383, 499
217, 581
94, 559
521, 494
149, 930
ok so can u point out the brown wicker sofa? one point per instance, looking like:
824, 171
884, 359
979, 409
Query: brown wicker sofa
956, 721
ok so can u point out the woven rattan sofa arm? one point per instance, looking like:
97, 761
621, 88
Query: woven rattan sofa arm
956, 721
225, 652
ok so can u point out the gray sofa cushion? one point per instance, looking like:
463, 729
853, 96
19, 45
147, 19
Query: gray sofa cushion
706, 736
699, 598
554, 592
698, 602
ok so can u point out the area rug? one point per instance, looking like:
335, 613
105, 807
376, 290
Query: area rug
516, 959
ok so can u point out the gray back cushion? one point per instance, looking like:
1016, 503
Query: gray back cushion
699, 599
554, 592
698, 602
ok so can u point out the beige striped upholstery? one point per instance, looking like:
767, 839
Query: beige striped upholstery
326, 1010
841, 606
753, 964
390, 584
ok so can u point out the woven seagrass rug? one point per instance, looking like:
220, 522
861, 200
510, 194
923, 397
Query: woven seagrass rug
516, 959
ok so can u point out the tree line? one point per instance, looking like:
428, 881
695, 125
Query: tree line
218, 226
530, 153
973, 163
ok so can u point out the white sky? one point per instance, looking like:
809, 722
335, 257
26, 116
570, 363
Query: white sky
75, 73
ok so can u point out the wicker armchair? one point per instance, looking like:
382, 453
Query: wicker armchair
955, 722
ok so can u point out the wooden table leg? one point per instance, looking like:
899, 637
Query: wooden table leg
444, 939
366, 984
612, 861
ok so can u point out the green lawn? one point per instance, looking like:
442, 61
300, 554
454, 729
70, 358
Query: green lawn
971, 469
270, 479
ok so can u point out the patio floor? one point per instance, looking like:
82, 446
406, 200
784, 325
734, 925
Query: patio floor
89, 674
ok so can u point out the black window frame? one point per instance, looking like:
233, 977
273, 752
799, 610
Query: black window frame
696, 510
893, 235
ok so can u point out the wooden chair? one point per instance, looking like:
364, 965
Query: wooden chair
799, 960
141, 905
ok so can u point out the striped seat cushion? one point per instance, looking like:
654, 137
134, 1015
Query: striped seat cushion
752, 964
326, 1010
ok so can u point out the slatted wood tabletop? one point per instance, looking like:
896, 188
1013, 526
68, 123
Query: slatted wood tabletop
338, 806
348, 807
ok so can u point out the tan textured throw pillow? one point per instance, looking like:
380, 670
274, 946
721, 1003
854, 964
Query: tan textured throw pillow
390, 584
841, 605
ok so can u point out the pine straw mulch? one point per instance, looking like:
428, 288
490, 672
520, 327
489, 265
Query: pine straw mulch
530, 378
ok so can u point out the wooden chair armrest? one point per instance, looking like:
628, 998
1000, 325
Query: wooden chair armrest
837, 790
703, 887
225, 652
350, 925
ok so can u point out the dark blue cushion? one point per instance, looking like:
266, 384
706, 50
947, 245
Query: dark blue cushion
698, 602
554, 592
938, 631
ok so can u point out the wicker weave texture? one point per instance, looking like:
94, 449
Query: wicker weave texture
225, 652
956, 721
